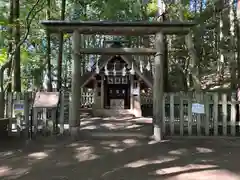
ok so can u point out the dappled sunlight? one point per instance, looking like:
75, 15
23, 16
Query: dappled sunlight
119, 146
118, 125
4, 170
124, 118
85, 153
152, 142
73, 145
64, 163
144, 162
40, 155
133, 126
130, 142
110, 143
178, 152
10, 173
90, 127
204, 150
126, 158
113, 146
6, 154
85, 122
206, 174
109, 125
182, 169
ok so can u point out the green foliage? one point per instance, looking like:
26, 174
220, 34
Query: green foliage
33, 52
3, 55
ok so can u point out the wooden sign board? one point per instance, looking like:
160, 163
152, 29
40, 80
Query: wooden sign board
18, 106
136, 91
46, 100
198, 108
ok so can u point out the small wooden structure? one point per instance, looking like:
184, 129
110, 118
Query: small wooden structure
118, 28
45, 102
117, 84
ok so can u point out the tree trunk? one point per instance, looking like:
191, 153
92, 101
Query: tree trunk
221, 57
194, 69
49, 69
10, 45
238, 39
60, 51
165, 64
17, 60
232, 44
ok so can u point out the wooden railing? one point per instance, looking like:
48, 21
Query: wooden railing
221, 114
220, 118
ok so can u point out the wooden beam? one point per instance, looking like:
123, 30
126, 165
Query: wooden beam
118, 51
118, 28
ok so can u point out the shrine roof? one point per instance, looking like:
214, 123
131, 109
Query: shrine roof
104, 59
118, 27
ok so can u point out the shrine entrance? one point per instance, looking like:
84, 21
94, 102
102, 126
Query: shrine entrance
117, 96
116, 84
131, 28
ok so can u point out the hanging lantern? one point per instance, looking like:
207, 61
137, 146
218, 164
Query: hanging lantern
106, 70
90, 63
141, 66
132, 70
89, 68
124, 71
148, 67
97, 68
114, 70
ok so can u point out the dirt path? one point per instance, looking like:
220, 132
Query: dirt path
119, 158
122, 159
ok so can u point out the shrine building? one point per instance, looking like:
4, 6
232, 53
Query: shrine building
117, 82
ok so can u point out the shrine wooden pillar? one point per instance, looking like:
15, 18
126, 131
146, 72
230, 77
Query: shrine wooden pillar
102, 91
158, 87
131, 92
74, 119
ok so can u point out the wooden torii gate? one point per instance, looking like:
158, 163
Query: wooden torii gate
136, 28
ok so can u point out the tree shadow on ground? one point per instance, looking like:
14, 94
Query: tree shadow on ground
123, 159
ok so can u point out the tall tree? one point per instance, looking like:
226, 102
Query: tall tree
238, 38
17, 61
232, 44
60, 50
194, 63
48, 53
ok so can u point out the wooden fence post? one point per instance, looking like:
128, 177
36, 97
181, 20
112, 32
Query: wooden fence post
224, 113
233, 114
198, 99
181, 108
207, 115
52, 121
190, 114
164, 116
172, 118
2, 105
9, 104
215, 113
26, 114
61, 118
35, 122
